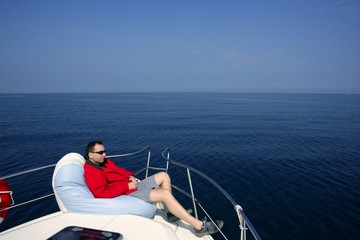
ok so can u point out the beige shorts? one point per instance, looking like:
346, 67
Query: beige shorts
144, 188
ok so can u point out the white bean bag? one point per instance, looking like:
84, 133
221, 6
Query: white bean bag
73, 195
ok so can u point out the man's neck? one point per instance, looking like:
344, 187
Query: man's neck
94, 164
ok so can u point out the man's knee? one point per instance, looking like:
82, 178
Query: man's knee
163, 177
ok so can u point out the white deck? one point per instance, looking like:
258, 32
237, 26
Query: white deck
130, 226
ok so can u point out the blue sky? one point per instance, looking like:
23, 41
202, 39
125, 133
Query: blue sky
293, 46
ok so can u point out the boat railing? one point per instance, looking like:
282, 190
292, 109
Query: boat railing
244, 222
13, 205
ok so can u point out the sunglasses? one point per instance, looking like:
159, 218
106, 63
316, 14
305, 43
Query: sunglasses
100, 152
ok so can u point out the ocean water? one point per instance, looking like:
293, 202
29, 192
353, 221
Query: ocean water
292, 161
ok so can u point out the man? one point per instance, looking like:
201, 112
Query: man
106, 180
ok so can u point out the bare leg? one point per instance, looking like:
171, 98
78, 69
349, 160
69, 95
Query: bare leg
163, 180
163, 195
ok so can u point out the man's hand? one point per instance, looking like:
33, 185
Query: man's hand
133, 183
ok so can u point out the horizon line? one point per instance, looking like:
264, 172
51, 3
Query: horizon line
182, 92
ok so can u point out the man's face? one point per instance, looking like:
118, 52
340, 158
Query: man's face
97, 156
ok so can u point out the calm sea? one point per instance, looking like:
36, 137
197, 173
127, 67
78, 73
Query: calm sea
292, 161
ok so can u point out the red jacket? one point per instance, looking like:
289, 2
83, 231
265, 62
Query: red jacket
107, 180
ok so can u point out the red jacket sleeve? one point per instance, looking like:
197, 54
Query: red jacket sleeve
108, 182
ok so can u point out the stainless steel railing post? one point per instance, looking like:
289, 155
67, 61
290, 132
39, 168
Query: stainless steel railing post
148, 162
167, 157
192, 193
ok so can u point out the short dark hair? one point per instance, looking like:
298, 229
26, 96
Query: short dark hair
90, 147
